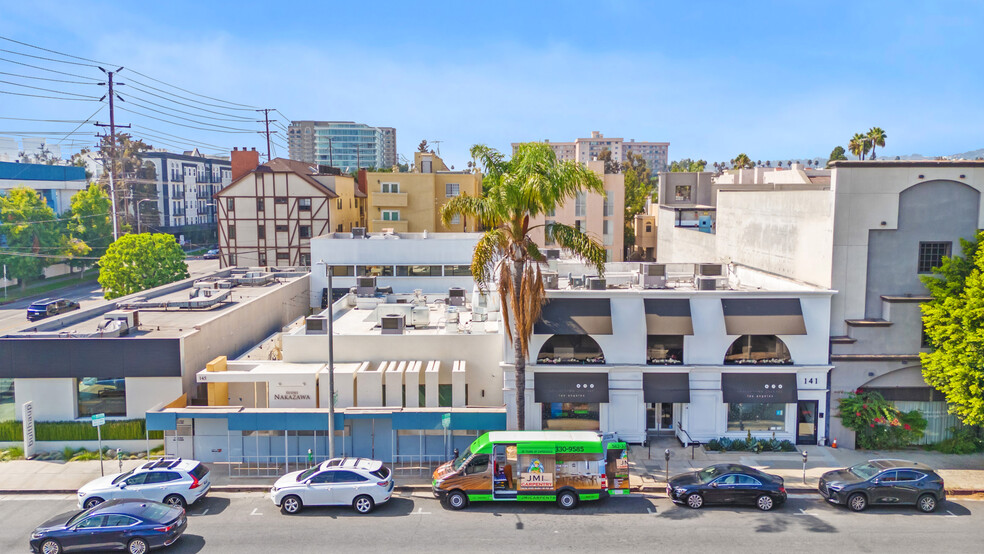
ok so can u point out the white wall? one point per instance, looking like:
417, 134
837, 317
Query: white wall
143, 393
54, 399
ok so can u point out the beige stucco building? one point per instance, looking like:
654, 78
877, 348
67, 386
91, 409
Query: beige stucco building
411, 202
587, 149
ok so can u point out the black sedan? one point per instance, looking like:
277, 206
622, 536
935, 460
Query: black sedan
135, 526
881, 482
727, 484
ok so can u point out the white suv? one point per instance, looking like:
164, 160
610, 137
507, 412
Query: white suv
356, 482
174, 482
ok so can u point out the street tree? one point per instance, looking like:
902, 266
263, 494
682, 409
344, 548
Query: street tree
31, 229
640, 186
742, 161
134, 179
89, 220
836, 154
529, 185
139, 262
686, 165
954, 325
876, 137
859, 145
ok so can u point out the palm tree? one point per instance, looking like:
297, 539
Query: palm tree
876, 137
742, 161
858, 145
531, 184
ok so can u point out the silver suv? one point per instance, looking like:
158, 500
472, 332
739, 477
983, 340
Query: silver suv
175, 482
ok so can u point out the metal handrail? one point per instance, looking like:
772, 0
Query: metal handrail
690, 440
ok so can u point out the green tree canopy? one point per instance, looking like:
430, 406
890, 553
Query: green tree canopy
140, 262
611, 165
876, 137
33, 240
686, 164
836, 154
89, 220
530, 184
640, 186
954, 324
742, 161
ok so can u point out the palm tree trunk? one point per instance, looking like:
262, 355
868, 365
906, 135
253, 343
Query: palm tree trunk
520, 357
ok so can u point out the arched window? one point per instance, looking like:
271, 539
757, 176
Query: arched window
570, 349
664, 349
759, 350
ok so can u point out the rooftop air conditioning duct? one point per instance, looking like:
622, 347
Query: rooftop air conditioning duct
358, 232
392, 324
652, 276
710, 270
456, 296
551, 280
706, 283
365, 286
316, 325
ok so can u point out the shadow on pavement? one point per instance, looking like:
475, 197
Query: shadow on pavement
209, 506
947, 509
395, 507
188, 543
623, 505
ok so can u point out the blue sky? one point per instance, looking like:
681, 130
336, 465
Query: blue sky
774, 79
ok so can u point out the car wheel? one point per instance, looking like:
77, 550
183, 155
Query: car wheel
927, 503
92, 502
291, 505
857, 502
567, 500
137, 546
50, 546
765, 503
457, 500
695, 501
175, 500
363, 504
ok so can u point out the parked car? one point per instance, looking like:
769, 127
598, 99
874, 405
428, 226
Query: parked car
135, 526
881, 482
727, 484
357, 482
212, 254
175, 482
49, 307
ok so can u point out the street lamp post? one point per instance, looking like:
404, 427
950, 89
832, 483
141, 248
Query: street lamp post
331, 364
138, 210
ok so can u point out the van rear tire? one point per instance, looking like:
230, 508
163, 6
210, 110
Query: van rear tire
567, 500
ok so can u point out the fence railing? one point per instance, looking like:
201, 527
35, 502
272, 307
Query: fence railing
267, 466
410, 464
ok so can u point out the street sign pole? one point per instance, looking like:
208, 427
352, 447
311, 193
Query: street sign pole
98, 420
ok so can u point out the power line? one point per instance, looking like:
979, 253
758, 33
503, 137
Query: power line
246, 107
82, 123
46, 59
46, 79
44, 120
181, 124
134, 102
183, 103
46, 256
48, 89
47, 69
94, 99
177, 137
52, 51
53, 220
183, 97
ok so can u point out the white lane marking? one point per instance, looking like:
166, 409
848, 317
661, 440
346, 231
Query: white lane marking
255, 513
951, 514
420, 511
651, 512
204, 512
804, 495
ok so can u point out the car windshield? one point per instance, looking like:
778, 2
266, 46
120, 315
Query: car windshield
708, 473
307, 473
122, 476
460, 460
864, 471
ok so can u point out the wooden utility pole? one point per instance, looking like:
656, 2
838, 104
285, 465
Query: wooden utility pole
266, 119
112, 145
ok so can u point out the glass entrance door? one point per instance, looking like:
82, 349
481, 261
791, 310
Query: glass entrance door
806, 421
659, 416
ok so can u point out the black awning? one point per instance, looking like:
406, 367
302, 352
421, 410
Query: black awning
575, 316
758, 388
570, 387
665, 387
763, 316
668, 316
908, 394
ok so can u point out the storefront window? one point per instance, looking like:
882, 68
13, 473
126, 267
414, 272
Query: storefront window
664, 349
571, 416
758, 349
8, 409
102, 396
374, 270
570, 349
747, 416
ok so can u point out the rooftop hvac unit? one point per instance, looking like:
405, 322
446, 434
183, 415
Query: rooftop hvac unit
710, 270
392, 324
596, 283
365, 286
551, 280
316, 325
358, 232
575, 282
552, 253
706, 283
456, 296
652, 276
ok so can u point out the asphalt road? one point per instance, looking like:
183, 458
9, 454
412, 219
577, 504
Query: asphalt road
14, 315
249, 522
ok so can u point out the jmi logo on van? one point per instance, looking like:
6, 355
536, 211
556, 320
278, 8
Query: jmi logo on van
535, 478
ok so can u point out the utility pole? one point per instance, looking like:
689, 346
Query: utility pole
266, 119
112, 145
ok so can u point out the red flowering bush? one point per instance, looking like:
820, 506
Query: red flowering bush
878, 424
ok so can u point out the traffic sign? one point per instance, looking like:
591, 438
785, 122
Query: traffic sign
446, 420
98, 419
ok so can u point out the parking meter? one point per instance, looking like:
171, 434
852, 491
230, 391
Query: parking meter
666, 456
805, 456
310, 457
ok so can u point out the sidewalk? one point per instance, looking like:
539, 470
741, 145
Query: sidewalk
964, 475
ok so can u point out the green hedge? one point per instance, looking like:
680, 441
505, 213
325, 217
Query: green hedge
131, 429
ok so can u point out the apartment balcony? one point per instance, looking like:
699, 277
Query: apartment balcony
398, 226
389, 199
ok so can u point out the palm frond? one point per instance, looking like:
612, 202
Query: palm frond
491, 160
578, 243
477, 207
489, 252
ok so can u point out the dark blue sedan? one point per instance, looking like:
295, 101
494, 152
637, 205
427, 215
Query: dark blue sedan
135, 526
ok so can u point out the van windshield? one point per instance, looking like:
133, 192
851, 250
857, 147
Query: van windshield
460, 460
